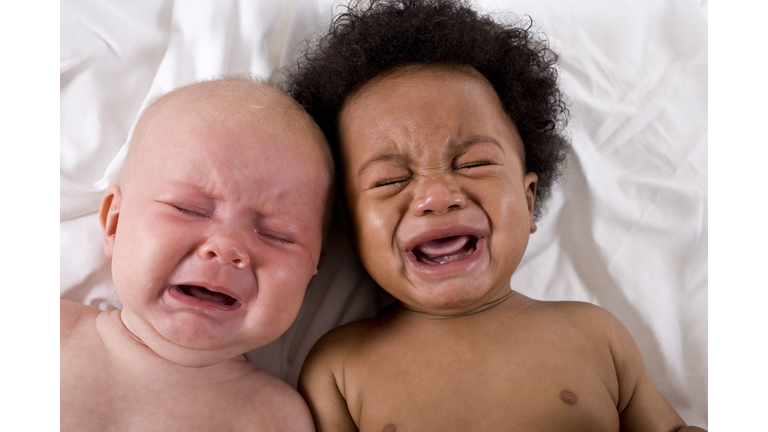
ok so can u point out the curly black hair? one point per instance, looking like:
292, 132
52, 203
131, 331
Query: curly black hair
368, 40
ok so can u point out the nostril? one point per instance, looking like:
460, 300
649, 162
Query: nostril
223, 253
439, 203
457, 200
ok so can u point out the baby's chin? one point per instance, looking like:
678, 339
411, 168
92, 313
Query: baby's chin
453, 299
186, 348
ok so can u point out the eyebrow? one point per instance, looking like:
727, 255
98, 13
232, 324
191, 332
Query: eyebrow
453, 146
398, 158
476, 139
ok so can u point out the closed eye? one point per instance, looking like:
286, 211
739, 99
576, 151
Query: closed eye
395, 181
190, 212
278, 239
473, 165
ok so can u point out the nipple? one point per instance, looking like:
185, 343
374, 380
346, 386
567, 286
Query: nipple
390, 428
568, 397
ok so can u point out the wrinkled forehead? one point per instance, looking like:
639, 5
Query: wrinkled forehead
386, 91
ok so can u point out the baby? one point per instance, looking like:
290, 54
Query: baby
447, 126
214, 233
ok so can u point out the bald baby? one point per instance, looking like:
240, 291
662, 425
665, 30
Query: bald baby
214, 232
250, 102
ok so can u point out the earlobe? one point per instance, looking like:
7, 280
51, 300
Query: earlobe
108, 216
530, 181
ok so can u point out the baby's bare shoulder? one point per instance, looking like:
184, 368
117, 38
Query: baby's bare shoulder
326, 358
74, 316
323, 378
586, 317
639, 403
573, 309
599, 323
344, 341
582, 325
270, 403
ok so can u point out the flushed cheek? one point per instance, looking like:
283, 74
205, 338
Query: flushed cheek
143, 263
285, 280
281, 292
511, 232
286, 271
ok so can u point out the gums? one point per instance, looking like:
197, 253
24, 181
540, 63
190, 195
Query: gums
445, 250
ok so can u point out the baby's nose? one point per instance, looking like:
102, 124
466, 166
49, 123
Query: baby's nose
225, 248
438, 196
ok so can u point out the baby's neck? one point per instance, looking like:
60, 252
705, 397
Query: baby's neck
119, 337
128, 329
497, 300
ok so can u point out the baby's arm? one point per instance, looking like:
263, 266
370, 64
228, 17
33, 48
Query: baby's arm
321, 383
641, 406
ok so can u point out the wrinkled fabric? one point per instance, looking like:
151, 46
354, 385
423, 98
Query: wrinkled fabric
626, 230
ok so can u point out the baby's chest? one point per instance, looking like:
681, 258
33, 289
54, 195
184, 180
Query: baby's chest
149, 403
507, 390
158, 410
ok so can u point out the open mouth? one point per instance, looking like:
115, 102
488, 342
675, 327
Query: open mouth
445, 250
207, 295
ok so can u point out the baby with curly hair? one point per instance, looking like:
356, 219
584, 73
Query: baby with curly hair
448, 129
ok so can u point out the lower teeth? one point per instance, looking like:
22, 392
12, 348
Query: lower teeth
442, 259
446, 258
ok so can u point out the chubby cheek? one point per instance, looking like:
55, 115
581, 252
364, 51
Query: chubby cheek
281, 291
374, 234
144, 256
288, 281
511, 229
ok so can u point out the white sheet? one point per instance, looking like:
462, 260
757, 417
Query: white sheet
627, 230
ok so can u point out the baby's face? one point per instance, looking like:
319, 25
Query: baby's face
218, 233
441, 204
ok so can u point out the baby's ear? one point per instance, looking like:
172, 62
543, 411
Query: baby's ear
108, 215
530, 181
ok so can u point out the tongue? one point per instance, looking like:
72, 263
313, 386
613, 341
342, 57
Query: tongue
443, 246
204, 294
443, 250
